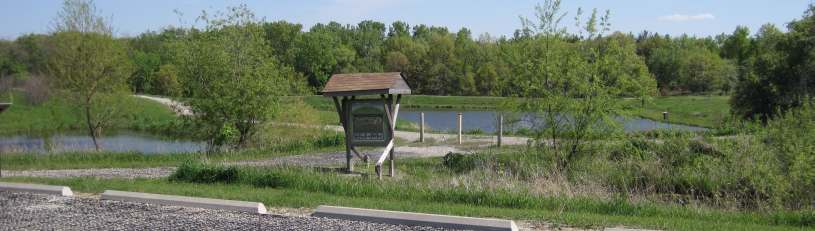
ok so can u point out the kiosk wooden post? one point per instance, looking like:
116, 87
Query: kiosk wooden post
363, 121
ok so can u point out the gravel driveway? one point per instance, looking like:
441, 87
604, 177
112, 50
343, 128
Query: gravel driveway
24, 211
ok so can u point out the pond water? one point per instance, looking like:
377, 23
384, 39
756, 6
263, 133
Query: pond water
124, 141
445, 120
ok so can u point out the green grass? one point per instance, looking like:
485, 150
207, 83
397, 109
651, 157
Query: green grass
55, 115
574, 212
705, 111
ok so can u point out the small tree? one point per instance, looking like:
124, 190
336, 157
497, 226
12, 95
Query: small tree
573, 85
230, 76
93, 68
89, 64
81, 16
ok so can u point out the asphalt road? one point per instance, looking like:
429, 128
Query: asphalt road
25, 211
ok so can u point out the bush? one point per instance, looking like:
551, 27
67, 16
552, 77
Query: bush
203, 173
458, 162
166, 82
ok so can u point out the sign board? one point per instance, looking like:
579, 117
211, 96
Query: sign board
368, 123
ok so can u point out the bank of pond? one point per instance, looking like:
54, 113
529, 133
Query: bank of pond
436, 120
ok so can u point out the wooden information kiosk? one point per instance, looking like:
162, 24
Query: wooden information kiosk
368, 120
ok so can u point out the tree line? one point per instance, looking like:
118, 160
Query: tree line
435, 60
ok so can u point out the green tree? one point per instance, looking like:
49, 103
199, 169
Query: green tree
94, 69
231, 77
779, 77
89, 64
738, 45
166, 81
81, 16
282, 36
573, 85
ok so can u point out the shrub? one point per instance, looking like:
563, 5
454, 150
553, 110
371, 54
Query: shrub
166, 82
458, 162
204, 173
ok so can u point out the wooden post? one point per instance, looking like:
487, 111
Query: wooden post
500, 128
421, 127
665, 115
459, 127
349, 164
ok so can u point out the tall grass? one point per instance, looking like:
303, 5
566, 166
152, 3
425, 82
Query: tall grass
310, 180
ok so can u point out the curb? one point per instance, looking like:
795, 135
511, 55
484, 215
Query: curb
414, 219
37, 188
198, 202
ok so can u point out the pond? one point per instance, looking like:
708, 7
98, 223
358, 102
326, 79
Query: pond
121, 141
484, 120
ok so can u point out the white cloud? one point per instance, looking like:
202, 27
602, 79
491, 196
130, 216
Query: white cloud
687, 17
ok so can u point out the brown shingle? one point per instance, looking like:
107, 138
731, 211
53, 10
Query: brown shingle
366, 84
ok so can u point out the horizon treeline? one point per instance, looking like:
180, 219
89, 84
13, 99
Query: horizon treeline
434, 60
438, 61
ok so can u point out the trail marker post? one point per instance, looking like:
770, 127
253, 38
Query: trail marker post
421, 127
370, 120
500, 128
458, 116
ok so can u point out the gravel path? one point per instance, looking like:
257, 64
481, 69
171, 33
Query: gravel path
178, 107
24, 211
107, 173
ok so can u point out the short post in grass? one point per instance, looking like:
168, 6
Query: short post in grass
665, 115
421, 127
500, 128
459, 127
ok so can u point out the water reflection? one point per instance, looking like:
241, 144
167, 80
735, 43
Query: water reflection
445, 120
118, 142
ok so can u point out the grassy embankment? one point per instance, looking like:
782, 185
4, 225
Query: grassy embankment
704, 111
55, 115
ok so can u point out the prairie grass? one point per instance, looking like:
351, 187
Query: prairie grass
426, 190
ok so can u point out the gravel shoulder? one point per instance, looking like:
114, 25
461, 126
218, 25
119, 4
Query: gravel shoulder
25, 211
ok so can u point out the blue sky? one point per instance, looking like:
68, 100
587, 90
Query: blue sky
497, 17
